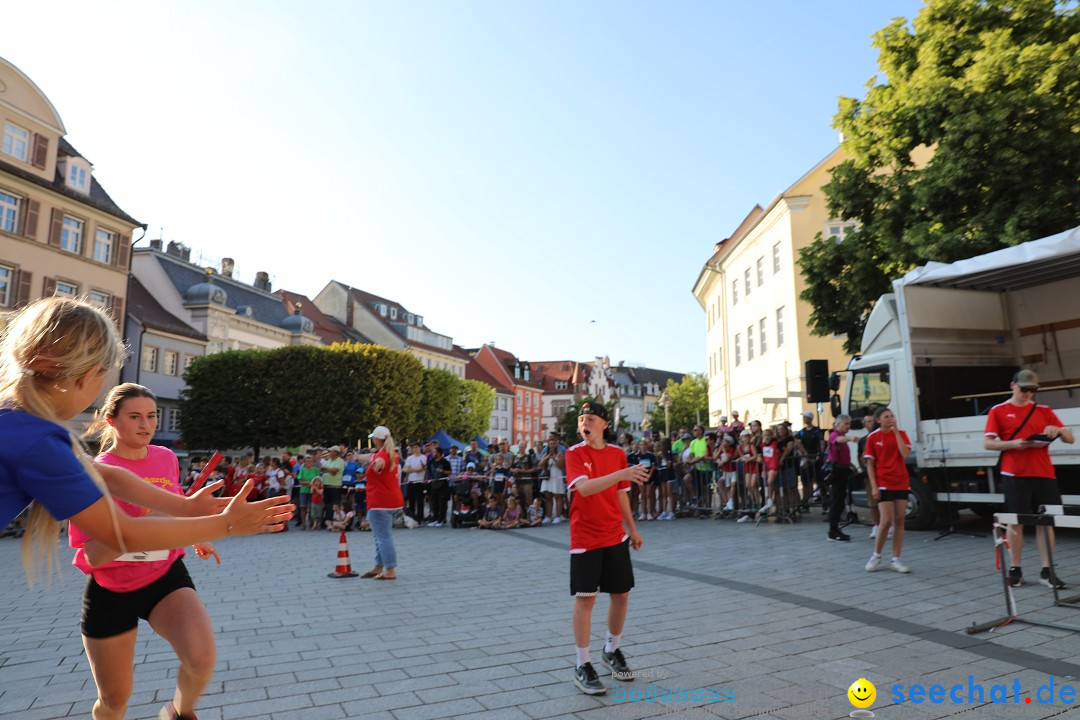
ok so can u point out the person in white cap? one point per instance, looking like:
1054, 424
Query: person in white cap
1028, 477
383, 500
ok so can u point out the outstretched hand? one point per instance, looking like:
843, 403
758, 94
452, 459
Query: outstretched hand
204, 502
260, 516
636, 474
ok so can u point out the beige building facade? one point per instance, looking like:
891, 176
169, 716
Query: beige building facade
757, 329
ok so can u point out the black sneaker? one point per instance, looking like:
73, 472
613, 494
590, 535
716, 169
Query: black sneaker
839, 537
587, 680
1016, 576
1051, 580
616, 663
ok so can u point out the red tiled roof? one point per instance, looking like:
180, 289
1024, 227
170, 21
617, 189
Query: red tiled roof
475, 371
325, 326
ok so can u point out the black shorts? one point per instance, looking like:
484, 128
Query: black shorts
106, 613
1026, 494
890, 495
607, 569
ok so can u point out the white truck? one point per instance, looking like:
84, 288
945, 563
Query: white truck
940, 351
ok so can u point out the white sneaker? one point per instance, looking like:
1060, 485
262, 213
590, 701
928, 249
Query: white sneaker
650, 516
640, 517
897, 565
768, 504
730, 505
556, 521
546, 521
873, 532
872, 563
744, 518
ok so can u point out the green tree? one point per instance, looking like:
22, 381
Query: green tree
476, 400
689, 401
991, 87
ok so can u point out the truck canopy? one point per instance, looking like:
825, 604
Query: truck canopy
1022, 266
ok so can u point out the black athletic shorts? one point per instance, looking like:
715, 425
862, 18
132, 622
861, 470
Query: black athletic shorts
1026, 494
890, 495
106, 613
607, 569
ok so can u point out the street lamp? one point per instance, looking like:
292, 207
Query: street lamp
665, 402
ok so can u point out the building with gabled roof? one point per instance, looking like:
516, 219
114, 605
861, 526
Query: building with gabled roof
502, 414
162, 346
388, 323
563, 382
527, 409
60, 232
329, 329
232, 314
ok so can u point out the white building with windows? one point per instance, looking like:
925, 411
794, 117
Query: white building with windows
757, 328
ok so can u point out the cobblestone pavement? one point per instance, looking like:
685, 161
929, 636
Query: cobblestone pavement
738, 621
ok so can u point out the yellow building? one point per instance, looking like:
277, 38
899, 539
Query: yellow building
757, 329
60, 232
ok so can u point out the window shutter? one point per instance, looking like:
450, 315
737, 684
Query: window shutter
117, 311
30, 218
122, 254
48, 287
22, 295
57, 227
41, 151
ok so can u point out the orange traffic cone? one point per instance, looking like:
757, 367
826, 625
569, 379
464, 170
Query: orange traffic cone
344, 568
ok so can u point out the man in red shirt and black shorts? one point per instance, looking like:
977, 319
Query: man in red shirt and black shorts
1028, 477
602, 531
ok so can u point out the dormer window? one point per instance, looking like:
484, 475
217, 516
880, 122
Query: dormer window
16, 142
393, 313
382, 309
419, 321
410, 318
76, 179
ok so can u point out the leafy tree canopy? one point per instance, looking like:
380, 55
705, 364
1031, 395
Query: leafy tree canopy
689, 402
986, 89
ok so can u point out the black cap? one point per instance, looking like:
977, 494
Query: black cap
594, 408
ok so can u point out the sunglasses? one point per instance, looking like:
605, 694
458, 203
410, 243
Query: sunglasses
1028, 389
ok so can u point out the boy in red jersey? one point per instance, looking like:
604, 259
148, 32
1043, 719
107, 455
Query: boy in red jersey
1028, 477
602, 531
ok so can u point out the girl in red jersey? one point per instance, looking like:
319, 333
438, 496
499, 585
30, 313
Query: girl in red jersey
887, 449
156, 587
770, 454
748, 457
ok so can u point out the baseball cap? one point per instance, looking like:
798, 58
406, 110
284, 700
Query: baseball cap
1027, 379
687, 436
723, 418
594, 408
808, 414
380, 433
470, 466
744, 433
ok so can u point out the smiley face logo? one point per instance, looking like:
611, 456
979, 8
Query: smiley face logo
862, 693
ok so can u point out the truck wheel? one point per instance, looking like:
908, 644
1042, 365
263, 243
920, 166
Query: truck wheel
920, 509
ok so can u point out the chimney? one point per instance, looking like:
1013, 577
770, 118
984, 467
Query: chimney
156, 244
227, 266
262, 281
174, 248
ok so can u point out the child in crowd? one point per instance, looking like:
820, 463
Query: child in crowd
646, 459
304, 476
511, 517
492, 515
339, 519
500, 471
260, 478
316, 502
770, 455
536, 513
749, 457
665, 475
726, 474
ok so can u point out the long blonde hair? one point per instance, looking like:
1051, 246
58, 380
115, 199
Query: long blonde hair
52, 341
101, 428
390, 447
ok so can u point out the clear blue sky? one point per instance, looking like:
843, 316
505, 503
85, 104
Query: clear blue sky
509, 170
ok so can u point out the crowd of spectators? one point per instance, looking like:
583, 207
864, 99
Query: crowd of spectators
737, 470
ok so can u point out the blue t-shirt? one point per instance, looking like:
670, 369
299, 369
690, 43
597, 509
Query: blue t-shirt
37, 463
348, 475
